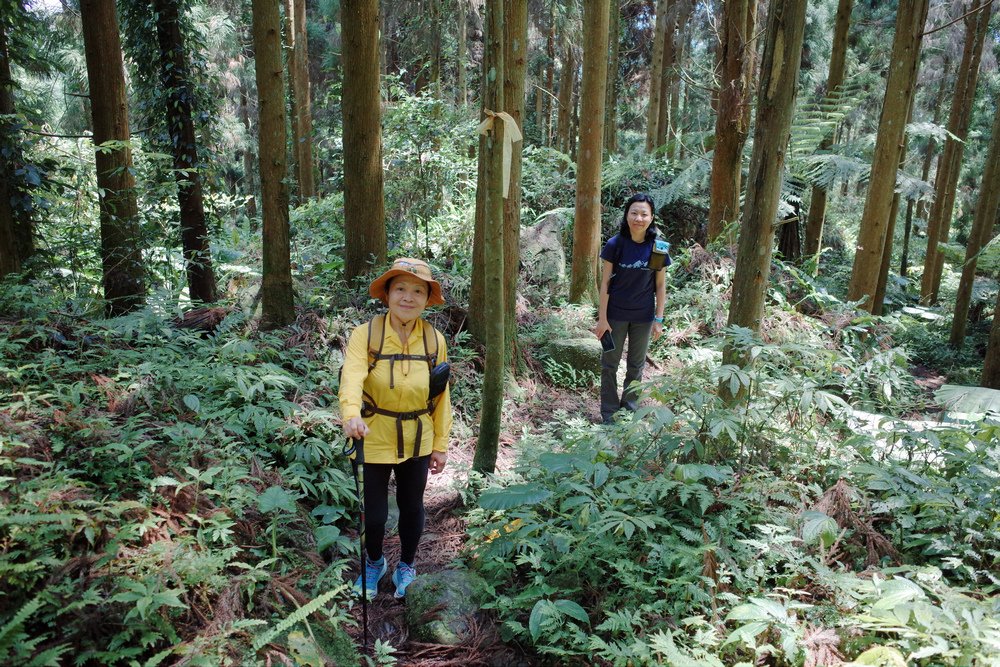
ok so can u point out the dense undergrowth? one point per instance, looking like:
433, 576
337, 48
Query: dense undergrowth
808, 524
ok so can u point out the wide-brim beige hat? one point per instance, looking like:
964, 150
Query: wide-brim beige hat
407, 266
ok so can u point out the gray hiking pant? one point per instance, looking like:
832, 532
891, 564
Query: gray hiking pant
638, 344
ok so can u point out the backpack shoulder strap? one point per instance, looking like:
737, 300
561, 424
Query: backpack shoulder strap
376, 334
430, 351
618, 250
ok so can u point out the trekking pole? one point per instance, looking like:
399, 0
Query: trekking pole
356, 446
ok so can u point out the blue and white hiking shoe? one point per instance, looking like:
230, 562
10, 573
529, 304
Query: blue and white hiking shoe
403, 577
373, 574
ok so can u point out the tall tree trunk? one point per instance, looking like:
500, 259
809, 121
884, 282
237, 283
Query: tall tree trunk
731, 126
10, 255
775, 105
567, 79
485, 457
515, 68
950, 162
121, 257
587, 221
364, 205
550, 73
298, 74
174, 74
434, 48
991, 362
982, 229
663, 7
834, 82
611, 104
461, 85
910, 18
278, 306
878, 301
926, 170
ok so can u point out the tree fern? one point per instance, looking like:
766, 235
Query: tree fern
692, 177
295, 617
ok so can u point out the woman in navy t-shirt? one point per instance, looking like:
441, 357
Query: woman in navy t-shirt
632, 302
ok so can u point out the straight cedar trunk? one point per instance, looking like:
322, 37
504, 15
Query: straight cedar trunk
663, 7
298, 76
515, 59
926, 170
775, 105
174, 75
491, 159
982, 229
611, 103
10, 255
461, 85
671, 52
910, 19
434, 47
991, 363
278, 307
834, 82
550, 73
587, 220
121, 257
731, 124
567, 80
890, 232
950, 162
364, 205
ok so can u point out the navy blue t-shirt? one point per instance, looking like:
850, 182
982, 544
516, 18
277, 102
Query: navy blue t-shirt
632, 290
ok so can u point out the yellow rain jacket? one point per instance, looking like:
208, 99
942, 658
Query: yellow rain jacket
398, 386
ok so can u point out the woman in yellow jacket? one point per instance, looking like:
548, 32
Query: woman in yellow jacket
384, 399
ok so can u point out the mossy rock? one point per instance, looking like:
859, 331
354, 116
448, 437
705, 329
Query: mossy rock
441, 606
583, 354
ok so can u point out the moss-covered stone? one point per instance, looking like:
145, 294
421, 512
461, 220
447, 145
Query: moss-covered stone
583, 354
440, 606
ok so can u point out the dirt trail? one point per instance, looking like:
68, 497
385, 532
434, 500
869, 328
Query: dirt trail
444, 538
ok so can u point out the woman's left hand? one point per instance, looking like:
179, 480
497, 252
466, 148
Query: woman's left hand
657, 330
438, 461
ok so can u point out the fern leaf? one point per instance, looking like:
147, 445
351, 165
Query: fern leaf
297, 616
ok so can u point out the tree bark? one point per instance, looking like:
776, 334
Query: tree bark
910, 20
485, 457
514, 70
298, 75
121, 257
567, 79
663, 7
364, 205
731, 124
587, 221
775, 105
10, 255
950, 162
926, 170
461, 85
611, 103
278, 307
550, 74
982, 229
175, 77
834, 82
991, 362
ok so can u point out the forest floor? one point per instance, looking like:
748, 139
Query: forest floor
445, 535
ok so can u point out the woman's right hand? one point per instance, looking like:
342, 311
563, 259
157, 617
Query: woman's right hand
602, 327
356, 428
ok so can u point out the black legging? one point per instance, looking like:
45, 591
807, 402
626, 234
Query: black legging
411, 479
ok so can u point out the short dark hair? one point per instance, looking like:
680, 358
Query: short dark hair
643, 198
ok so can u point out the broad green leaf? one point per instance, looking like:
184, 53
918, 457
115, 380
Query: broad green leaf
275, 499
968, 400
540, 609
192, 402
512, 496
326, 536
573, 610
881, 656
818, 526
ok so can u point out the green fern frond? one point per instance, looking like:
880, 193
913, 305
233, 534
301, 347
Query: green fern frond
295, 617
11, 631
692, 177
